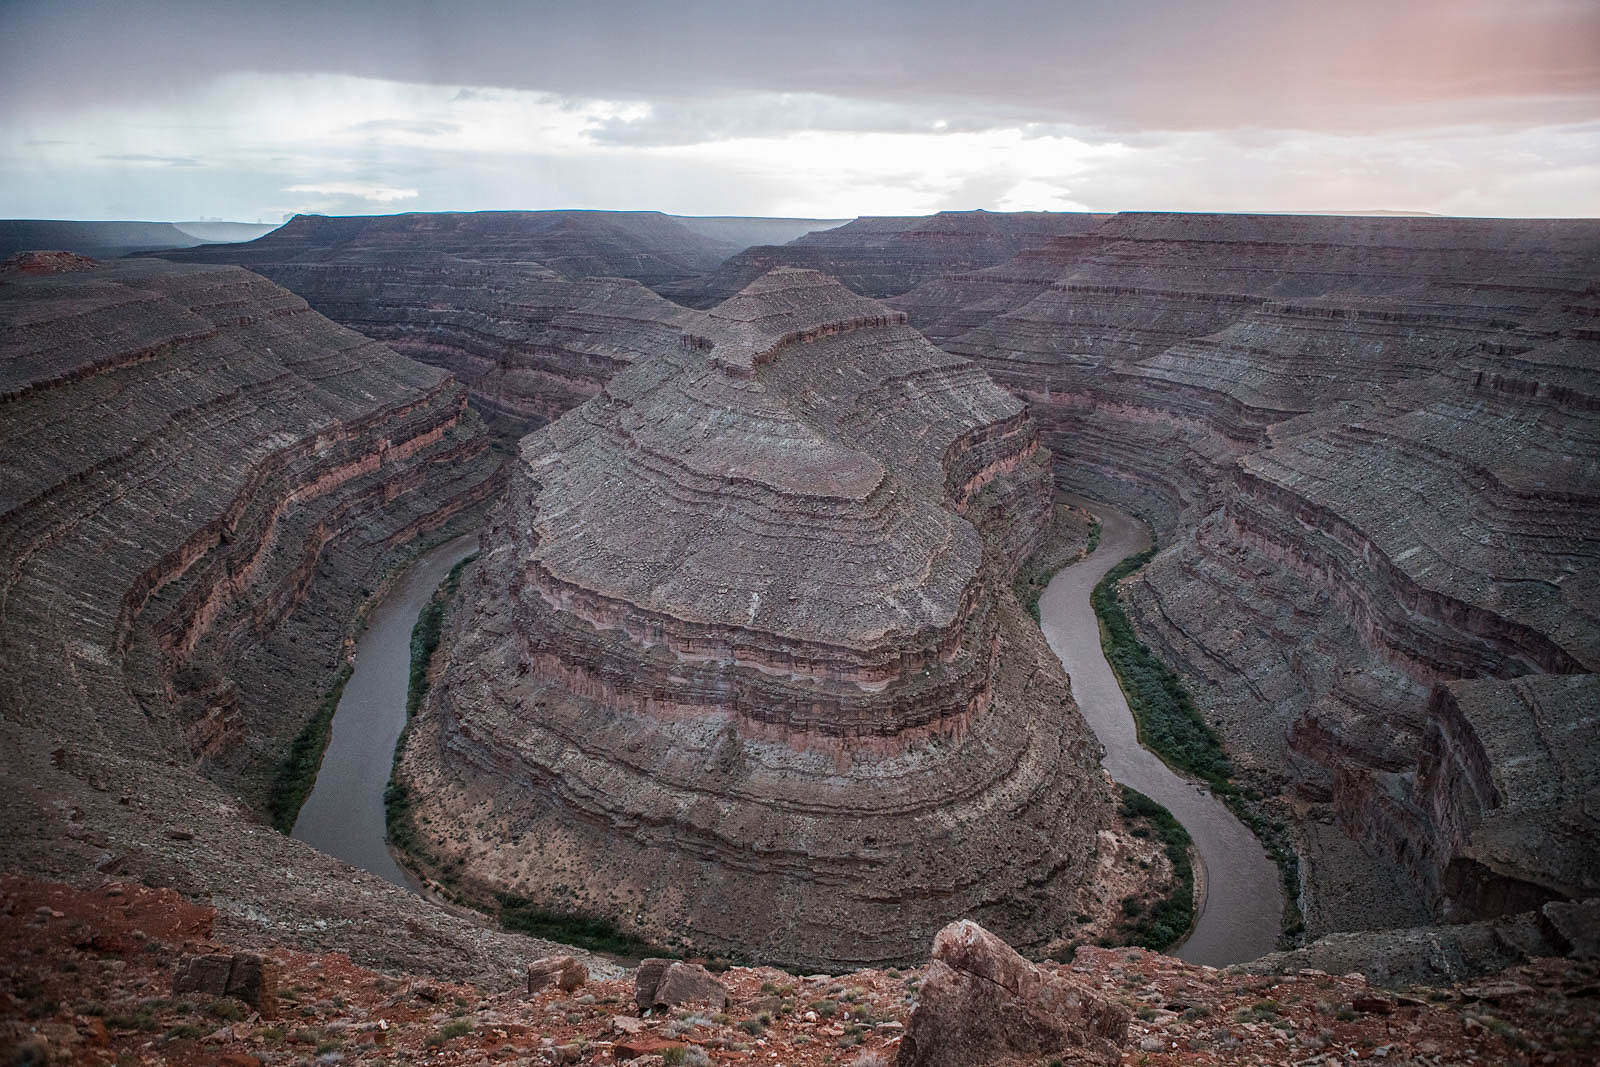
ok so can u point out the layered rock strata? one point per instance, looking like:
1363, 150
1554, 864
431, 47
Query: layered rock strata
203, 482
533, 311
737, 665
1371, 448
882, 256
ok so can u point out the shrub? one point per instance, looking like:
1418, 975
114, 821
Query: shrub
1166, 718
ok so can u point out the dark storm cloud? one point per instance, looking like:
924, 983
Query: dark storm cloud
1354, 65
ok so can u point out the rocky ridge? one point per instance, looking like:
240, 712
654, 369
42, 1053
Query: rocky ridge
93, 975
740, 631
1370, 447
204, 481
883, 256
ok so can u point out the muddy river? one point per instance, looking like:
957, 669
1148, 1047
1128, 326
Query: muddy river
344, 814
1240, 915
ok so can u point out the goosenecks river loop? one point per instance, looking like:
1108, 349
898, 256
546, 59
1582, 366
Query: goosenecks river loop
1238, 918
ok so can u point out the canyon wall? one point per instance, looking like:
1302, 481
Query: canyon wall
203, 483
532, 311
1372, 452
739, 667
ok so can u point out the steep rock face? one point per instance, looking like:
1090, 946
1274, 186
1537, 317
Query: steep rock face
880, 256
503, 300
1371, 447
203, 481
1499, 807
734, 667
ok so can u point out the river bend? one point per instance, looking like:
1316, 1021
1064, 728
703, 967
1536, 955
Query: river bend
1241, 912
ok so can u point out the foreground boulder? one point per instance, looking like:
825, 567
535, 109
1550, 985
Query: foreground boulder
981, 1002
662, 983
242, 975
562, 971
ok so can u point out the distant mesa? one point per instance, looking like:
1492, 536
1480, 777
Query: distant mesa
534, 311
107, 240
740, 652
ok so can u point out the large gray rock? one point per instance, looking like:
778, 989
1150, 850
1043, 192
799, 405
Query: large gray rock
981, 1002
668, 983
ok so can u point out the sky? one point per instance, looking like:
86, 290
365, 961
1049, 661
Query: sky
812, 108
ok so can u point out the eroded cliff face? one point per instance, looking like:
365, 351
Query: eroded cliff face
203, 482
533, 311
1372, 450
738, 665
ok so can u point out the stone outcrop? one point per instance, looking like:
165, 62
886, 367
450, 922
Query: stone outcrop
980, 1003
1369, 447
244, 976
737, 665
1439, 955
204, 482
881, 256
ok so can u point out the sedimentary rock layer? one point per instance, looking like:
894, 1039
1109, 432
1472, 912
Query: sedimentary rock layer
1373, 448
738, 665
880, 256
203, 481
533, 311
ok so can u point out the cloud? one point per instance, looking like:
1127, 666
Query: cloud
831, 109
1350, 66
157, 161
414, 127
378, 194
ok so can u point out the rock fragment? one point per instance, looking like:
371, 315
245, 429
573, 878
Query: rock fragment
563, 971
981, 1002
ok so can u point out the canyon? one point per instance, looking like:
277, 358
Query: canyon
204, 483
738, 666
1369, 447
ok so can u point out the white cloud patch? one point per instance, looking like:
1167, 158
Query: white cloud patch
378, 194
263, 146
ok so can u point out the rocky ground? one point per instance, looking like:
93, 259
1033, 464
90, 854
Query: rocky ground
87, 976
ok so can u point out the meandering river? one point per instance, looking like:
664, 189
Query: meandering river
1240, 914
1238, 918
344, 816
